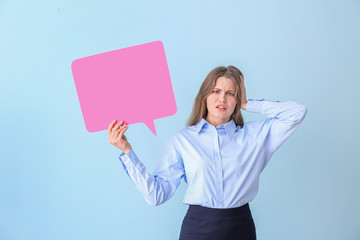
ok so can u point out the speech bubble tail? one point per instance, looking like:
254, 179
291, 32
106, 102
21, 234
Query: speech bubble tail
151, 126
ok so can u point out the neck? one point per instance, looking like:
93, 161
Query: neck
216, 122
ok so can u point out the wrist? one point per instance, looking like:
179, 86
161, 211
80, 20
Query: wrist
243, 105
126, 150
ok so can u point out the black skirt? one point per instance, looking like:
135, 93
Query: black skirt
202, 223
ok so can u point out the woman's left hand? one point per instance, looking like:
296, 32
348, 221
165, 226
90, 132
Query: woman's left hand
243, 102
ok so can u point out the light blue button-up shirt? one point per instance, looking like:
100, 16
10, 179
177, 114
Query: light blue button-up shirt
222, 164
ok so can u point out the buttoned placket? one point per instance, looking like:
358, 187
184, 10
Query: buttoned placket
219, 170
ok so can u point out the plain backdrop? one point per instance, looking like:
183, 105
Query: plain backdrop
58, 181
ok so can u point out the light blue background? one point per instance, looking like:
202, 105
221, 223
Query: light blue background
58, 181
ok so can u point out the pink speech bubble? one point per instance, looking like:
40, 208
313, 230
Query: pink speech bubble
131, 84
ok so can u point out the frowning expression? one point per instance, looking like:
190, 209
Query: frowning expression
221, 102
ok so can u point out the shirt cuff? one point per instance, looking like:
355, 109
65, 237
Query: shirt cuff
254, 105
128, 159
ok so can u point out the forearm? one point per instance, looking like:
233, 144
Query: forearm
284, 111
155, 189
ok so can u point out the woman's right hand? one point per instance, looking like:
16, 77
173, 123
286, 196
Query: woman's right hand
116, 136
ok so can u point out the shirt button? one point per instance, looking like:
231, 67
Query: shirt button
219, 202
218, 163
219, 182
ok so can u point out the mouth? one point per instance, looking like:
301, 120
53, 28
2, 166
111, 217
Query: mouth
221, 107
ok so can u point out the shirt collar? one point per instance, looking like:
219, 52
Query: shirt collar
200, 125
230, 127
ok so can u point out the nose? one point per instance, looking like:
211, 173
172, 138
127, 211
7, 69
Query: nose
222, 98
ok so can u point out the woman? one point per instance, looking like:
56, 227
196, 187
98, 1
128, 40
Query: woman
219, 156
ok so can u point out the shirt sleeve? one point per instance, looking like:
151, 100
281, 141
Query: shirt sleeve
284, 118
162, 184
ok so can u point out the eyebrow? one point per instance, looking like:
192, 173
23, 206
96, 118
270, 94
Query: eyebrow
230, 90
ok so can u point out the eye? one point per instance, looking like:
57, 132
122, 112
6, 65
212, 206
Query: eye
231, 94
216, 91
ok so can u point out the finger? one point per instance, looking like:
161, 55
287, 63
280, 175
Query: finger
111, 126
121, 133
117, 126
123, 128
116, 133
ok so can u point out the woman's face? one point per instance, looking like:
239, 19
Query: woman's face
221, 102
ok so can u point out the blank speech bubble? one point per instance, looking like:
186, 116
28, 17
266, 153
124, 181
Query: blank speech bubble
131, 84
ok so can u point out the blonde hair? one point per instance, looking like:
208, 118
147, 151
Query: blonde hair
200, 109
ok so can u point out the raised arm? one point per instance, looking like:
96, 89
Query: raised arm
283, 119
162, 184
